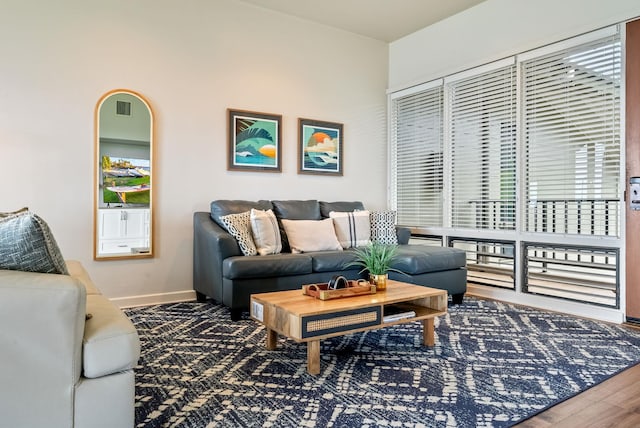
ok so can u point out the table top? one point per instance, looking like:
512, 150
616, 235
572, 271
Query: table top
295, 302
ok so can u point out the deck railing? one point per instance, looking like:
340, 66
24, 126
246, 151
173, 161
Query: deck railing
571, 216
582, 273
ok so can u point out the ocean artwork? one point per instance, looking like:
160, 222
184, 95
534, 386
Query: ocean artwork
255, 142
321, 148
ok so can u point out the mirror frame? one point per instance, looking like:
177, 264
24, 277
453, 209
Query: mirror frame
96, 178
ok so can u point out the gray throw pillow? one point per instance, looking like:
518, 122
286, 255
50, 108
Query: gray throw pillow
9, 214
27, 244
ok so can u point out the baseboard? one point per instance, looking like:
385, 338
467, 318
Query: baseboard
154, 299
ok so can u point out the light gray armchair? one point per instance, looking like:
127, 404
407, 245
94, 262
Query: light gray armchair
66, 353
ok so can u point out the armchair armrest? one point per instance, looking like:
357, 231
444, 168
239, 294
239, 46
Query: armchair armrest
43, 317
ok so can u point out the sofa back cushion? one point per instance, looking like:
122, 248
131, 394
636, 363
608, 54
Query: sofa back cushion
294, 210
297, 210
327, 207
224, 207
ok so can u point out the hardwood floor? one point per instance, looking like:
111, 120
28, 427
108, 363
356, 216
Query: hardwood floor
613, 403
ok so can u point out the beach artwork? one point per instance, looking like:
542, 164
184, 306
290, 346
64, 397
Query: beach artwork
254, 141
320, 149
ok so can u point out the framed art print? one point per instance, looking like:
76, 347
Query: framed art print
254, 141
320, 147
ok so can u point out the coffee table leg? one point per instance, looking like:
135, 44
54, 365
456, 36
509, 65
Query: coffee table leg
272, 339
313, 357
428, 332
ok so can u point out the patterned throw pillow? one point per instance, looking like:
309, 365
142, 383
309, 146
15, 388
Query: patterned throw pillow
239, 226
9, 214
266, 232
353, 229
27, 244
383, 227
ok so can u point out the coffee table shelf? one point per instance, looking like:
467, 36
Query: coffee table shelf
306, 319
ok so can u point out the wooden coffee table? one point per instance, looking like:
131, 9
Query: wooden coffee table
307, 319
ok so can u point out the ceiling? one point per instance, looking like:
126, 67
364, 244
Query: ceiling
385, 20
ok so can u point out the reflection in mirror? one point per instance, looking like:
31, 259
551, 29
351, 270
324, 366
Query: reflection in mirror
123, 190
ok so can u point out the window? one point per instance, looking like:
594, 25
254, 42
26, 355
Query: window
518, 162
482, 136
571, 138
575, 273
417, 141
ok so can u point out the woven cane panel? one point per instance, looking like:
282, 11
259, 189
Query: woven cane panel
350, 321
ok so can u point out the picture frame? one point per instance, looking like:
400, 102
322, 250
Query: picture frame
254, 141
320, 147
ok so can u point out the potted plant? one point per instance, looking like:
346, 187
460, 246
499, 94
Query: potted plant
376, 259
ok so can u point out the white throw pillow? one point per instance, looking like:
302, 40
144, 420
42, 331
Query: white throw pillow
239, 226
266, 233
353, 229
311, 235
383, 227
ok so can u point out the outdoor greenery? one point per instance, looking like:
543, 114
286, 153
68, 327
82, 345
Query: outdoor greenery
133, 198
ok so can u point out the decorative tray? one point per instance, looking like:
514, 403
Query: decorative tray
323, 292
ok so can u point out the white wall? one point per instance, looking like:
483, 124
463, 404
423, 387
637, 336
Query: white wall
496, 29
192, 60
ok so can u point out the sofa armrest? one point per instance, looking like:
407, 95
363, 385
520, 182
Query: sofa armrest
42, 318
403, 234
211, 245
111, 343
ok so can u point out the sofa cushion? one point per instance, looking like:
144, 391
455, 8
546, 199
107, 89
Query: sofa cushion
332, 261
272, 265
266, 232
311, 235
353, 229
239, 226
27, 244
383, 227
110, 342
224, 207
417, 259
297, 210
327, 207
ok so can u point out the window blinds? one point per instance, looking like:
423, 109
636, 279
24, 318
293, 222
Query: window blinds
482, 135
571, 123
453, 143
417, 144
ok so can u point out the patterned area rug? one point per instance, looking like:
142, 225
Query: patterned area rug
494, 364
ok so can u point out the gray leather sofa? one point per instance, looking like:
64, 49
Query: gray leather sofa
221, 272
60, 367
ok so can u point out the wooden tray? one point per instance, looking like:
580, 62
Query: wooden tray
322, 291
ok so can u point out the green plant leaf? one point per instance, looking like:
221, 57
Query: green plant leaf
376, 258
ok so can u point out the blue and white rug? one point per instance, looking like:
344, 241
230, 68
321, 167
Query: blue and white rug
494, 364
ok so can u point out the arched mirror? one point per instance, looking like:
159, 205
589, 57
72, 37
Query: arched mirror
123, 202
